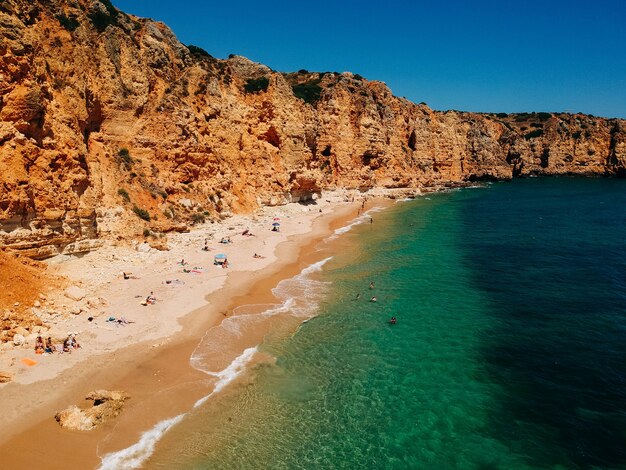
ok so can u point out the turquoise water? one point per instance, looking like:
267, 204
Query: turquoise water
509, 350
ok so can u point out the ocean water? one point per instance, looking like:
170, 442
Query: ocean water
509, 349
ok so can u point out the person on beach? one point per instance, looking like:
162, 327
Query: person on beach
206, 245
257, 256
126, 276
71, 341
49, 346
225, 264
66, 345
150, 299
39, 347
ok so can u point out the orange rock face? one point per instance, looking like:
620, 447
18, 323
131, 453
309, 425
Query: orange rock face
109, 126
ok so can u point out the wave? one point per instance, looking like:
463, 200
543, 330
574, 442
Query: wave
134, 456
229, 374
359, 220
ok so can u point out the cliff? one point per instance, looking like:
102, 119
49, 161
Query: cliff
111, 128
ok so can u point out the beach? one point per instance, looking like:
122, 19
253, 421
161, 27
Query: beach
147, 355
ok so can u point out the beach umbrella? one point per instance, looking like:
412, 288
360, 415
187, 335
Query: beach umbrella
276, 218
276, 224
220, 256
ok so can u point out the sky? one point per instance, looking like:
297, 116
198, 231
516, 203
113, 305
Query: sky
472, 55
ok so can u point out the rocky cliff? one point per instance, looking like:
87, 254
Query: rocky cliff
110, 127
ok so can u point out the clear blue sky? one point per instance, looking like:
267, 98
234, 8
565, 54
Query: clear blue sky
473, 55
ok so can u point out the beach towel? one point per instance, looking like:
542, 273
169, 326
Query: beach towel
28, 361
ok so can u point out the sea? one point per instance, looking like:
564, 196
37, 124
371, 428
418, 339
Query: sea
508, 351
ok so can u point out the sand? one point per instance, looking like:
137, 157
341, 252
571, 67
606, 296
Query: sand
149, 357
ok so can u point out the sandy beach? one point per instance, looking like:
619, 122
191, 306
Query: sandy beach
148, 357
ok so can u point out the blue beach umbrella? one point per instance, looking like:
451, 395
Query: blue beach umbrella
220, 256
276, 224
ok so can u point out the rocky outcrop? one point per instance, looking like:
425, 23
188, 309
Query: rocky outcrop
106, 406
111, 128
5, 377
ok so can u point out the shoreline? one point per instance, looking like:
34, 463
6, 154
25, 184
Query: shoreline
141, 369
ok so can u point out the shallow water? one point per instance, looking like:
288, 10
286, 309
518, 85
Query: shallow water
509, 351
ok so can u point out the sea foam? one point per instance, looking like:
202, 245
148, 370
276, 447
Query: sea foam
134, 456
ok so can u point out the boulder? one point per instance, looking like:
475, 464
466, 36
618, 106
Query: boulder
18, 339
5, 377
75, 293
22, 331
106, 406
143, 248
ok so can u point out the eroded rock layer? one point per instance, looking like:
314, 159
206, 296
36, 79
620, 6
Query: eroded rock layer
110, 127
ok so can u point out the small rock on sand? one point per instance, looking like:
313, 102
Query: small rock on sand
5, 377
75, 293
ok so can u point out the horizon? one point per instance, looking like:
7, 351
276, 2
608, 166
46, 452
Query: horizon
561, 57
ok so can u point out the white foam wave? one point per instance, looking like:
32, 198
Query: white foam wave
229, 374
315, 267
365, 217
300, 294
135, 455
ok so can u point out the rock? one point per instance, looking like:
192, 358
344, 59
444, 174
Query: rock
106, 406
143, 248
74, 418
5, 377
75, 293
75, 310
37, 304
18, 339
22, 331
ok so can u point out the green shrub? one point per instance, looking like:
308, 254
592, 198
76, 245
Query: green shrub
533, 134
127, 160
197, 218
256, 85
309, 92
502, 115
544, 116
68, 22
146, 232
142, 213
102, 20
122, 192
576, 135
199, 52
